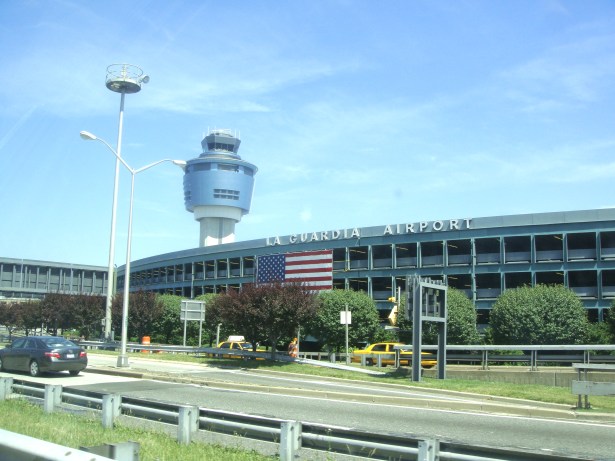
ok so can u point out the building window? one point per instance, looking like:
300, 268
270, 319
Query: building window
220, 146
203, 166
228, 167
226, 193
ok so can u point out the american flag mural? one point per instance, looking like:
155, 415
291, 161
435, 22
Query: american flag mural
313, 268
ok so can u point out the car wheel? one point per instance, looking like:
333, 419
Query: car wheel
74, 372
369, 362
34, 368
1, 365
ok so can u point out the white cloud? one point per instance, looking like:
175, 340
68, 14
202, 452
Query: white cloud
305, 215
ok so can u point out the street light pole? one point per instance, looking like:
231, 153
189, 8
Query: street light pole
122, 360
110, 271
121, 78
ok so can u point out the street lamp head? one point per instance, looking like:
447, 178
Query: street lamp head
180, 163
125, 78
87, 136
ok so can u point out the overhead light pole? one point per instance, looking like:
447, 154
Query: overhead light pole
123, 79
122, 360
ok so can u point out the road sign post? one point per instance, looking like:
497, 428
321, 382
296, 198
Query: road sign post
426, 299
346, 319
192, 310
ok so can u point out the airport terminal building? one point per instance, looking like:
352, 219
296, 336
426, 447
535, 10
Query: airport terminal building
480, 256
23, 279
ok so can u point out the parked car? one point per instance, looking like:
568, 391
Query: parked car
40, 354
388, 349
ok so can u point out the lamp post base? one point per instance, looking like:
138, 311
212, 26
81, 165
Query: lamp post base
122, 361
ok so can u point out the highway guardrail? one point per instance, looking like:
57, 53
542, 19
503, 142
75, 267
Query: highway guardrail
291, 436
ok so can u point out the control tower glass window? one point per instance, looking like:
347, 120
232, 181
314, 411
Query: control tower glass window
228, 167
225, 193
199, 167
220, 146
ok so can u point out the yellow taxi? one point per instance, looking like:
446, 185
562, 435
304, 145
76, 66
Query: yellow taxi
388, 349
234, 346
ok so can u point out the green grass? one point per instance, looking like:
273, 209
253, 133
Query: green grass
21, 416
534, 392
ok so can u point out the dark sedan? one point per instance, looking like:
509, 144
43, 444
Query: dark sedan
39, 354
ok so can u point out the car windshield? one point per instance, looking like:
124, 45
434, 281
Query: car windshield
57, 342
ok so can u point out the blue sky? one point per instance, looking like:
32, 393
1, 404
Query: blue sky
357, 113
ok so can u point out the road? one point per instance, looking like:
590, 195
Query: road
357, 405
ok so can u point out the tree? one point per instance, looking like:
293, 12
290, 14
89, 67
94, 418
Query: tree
326, 324
10, 316
57, 310
460, 326
31, 315
609, 319
143, 310
87, 311
167, 327
544, 314
266, 312
213, 319
599, 333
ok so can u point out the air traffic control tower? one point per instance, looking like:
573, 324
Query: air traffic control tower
218, 187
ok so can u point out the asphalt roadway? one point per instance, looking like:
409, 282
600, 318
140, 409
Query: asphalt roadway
275, 382
420, 412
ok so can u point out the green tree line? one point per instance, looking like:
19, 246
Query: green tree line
272, 315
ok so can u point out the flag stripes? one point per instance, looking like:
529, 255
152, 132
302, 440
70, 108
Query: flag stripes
313, 268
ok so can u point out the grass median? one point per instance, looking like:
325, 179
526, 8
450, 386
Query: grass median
75, 431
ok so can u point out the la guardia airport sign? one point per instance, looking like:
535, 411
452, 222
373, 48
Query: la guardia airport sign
357, 232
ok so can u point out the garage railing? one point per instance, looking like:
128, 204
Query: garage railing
485, 355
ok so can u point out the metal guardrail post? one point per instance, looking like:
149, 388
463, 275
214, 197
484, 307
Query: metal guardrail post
53, 397
6, 387
534, 360
428, 450
290, 440
111, 409
187, 423
585, 388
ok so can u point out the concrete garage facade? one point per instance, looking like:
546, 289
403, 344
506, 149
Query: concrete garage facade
480, 256
22, 279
